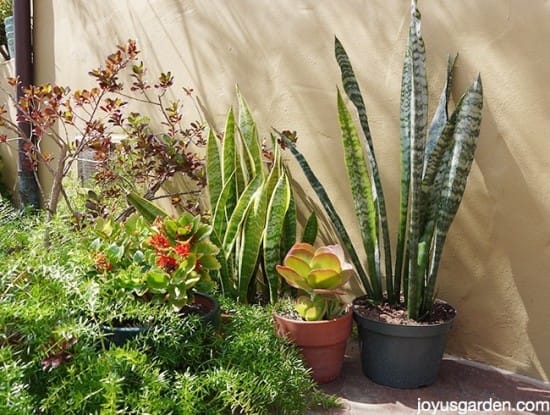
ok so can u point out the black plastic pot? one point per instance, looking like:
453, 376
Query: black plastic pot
119, 335
213, 316
401, 356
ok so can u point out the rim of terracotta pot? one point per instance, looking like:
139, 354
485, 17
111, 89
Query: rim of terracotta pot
349, 310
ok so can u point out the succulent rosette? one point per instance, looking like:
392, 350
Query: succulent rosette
321, 273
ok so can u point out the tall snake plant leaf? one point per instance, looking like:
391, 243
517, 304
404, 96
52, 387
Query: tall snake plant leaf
253, 231
228, 152
361, 190
224, 273
401, 256
249, 131
214, 175
239, 214
418, 119
221, 209
351, 87
229, 163
310, 229
441, 113
330, 211
278, 206
288, 238
220, 174
250, 239
465, 137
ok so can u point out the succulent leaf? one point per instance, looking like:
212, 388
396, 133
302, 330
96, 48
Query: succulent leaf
157, 279
293, 278
326, 260
324, 278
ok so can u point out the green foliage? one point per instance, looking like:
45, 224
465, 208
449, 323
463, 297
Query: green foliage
53, 358
175, 255
15, 398
321, 273
252, 208
6, 10
435, 164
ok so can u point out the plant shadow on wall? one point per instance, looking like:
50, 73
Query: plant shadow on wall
403, 327
515, 228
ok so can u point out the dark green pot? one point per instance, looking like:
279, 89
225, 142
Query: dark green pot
120, 335
401, 356
213, 315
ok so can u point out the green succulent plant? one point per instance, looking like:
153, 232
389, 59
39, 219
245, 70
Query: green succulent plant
183, 258
118, 255
154, 256
435, 163
321, 273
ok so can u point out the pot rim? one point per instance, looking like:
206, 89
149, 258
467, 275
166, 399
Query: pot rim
349, 310
450, 321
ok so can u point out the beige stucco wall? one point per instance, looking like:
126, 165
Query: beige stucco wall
496, 267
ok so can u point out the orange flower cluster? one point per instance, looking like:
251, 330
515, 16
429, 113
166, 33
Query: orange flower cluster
168, 255
102, 264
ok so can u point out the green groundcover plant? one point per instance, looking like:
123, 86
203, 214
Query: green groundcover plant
53, 359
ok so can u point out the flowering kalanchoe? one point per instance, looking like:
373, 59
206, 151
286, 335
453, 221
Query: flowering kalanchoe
181, 256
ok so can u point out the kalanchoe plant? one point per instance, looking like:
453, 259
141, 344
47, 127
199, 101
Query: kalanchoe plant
180, 254
321, 273
119, 254
159, 261
183, 258
435, 163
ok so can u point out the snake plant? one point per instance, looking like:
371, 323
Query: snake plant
435, 164
253, 209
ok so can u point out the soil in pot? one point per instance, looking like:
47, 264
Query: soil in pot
322, 343
398, 352
441, 312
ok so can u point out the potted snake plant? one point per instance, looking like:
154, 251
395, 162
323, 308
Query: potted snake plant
402, 325
321, 322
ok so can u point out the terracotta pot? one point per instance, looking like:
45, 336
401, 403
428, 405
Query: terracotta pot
323, 343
